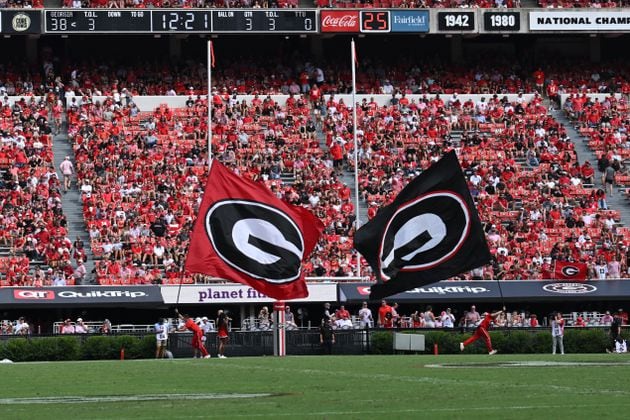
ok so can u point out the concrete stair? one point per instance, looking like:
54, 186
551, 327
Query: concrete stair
347, 177
616, 201
71, 201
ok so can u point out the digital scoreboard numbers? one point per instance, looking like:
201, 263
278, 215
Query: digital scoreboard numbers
102, 20
456, 21
264, 21
375, 21
181, 21
502, 21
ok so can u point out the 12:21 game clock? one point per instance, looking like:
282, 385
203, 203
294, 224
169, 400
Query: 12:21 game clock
375, 21
181, 21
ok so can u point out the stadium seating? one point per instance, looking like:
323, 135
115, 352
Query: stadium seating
564, 4
506, 148
423, 4
264, 76
129, 164
26, 4
199, 4
32, 224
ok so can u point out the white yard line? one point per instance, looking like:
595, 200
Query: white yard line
71, 399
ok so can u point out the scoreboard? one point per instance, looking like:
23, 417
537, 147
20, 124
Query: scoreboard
367, 21
180, 21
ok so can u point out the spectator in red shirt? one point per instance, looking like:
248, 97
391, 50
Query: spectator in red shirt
342, 313
197, 341
382, 313
579, 322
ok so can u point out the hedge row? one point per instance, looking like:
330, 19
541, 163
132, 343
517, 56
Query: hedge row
381, 342
77, 348
506, 341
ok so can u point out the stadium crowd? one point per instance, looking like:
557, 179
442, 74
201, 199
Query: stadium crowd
129, 162
506, 148
32, 224
182, 4
264, 76
390, 316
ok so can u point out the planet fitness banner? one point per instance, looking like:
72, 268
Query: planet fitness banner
240, 293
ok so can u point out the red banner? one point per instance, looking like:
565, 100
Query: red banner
570, 270
340, 20
244, 233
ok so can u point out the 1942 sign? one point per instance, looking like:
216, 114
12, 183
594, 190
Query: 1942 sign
456, 21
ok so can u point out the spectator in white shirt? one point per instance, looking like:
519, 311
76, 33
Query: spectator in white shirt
80, 327
67, 327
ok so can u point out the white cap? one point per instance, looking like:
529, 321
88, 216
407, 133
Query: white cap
79, 319
205, 318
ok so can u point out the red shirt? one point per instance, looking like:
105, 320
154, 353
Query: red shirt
485, 322
382, 311
192, 326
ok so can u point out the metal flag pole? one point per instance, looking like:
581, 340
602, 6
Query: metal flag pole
353, 61
210, 65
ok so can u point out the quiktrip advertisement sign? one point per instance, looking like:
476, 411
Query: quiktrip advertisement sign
81, 296
478, 291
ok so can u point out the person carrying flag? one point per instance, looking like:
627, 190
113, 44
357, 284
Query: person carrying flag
482, 332
197, 342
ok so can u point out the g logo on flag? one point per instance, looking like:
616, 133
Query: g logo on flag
417, 237
256, 239
570, 271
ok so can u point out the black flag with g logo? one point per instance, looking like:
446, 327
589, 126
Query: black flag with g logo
429, 233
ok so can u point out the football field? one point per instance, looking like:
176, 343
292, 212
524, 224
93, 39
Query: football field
320, 387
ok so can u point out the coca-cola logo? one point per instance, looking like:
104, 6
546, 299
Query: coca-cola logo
340, 20
346, 21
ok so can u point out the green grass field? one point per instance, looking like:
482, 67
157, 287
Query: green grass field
348, 387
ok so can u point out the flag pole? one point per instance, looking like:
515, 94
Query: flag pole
353, 61
210, 64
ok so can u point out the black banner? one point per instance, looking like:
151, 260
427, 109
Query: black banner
517, 290
80, 296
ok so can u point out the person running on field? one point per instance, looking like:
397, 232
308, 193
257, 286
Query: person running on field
197, 342
482, 332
